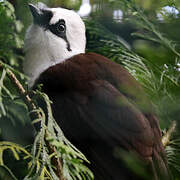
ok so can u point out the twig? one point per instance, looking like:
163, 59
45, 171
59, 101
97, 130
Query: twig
55, 160
21, 90
59, 166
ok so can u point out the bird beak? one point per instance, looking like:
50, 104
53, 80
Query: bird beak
40, 15
35, 11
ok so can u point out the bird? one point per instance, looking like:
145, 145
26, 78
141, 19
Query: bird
99, 105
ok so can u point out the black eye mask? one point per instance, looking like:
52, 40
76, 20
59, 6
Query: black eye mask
59, 29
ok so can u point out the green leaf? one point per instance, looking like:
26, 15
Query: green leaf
6, 174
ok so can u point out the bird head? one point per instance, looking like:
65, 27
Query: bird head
55, 35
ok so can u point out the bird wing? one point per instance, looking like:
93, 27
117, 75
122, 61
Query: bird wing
119, 118
101, 107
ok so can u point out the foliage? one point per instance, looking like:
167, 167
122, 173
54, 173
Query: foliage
9, 37
11, 105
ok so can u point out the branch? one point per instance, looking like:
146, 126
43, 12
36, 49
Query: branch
22, 92
57, 162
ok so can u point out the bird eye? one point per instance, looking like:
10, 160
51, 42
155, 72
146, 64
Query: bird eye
61, 27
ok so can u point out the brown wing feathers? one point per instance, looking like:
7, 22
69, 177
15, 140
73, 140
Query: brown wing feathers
100, 106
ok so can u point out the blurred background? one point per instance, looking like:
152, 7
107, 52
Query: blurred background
143, 36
